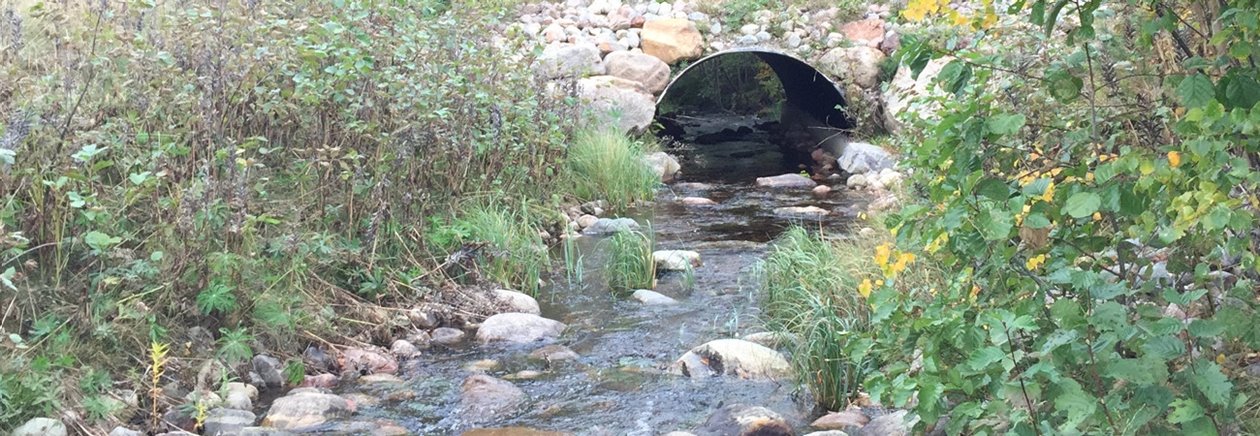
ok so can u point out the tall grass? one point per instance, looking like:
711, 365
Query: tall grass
811, 285
630, 264
608, 165
508, 248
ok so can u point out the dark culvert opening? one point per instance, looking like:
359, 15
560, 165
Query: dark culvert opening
738, 115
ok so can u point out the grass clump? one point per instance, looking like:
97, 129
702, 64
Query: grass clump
630, 264
607, 165
503, 244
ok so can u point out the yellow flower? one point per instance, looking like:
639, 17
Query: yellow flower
1035, 262
1174, 159
864, 289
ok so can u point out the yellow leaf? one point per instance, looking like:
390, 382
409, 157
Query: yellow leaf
864, 289
1174, 159
1220, 359
1048, 196
1097, 216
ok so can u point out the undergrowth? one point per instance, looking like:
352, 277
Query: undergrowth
607, 165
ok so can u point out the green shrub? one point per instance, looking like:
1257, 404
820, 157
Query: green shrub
606, 165
629, 265
1116, 151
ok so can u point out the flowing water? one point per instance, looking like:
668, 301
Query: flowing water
619, 385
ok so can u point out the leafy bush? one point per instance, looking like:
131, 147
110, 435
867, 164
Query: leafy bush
1094, 205
240, 165
606, 165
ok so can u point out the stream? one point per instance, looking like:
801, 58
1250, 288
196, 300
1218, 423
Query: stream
619, 384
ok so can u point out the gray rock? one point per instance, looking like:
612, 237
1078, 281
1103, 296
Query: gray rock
664, 165
812, 212
768, 339
794, 40
746, 40
422, 318
732, 357
227, 421
861, 157
240, 396
484, 398
905, 90
697, 201
124, 431
1253, 370
676, 260
764, 36
616, 102
742, 420
403, 349
827, 433
518, 328
653, 298
749, 30
269, 370
605, 226
447, 336
647, 70
41, 427
569, 60
513, 301
263, 431
843, 420
554, 353
892, 424
786, 181
859, 64
306, 407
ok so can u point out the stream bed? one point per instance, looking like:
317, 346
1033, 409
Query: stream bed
619, 384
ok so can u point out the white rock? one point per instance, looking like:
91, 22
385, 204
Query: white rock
698, 201
618, 102
786, 181
749, 29
794, 40
903, 93
41, 427
403, 349
859, 64
764, 36
653, 298
664, 165
861, 157
732, 357
587, 220
518, 328
801, 212
306, 407
569, 60
676, 260
513, 301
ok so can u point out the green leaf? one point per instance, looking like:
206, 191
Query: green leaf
984, 357
100, 241
1214, 385
995, 189
1163, 347
1075, 402
1145, 371
996, 225
1005, 124
1206, 328
1082, 204
1109, 316
1065, 87
1057, 339
1185, 410
1196, 91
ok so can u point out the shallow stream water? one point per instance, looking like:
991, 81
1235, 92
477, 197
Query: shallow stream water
619, 385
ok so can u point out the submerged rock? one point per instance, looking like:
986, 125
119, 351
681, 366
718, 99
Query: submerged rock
742, 420
653, 298
676, 260
786, 181
511, 431
698, 201
403, 349
483, 398
732, 357
554, 353
305, 407
518, 328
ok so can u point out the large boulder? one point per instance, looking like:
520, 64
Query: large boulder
786, 181
222, 422
742, 420
518, 328
484, 398
847, 420
41, 427
649, 71
862, 158
569, 60
663, 165
892, 424
732, 357
613, 101
903, 93
868, 32
676, 260
672, 40
859, 64
513, 301
306, 407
